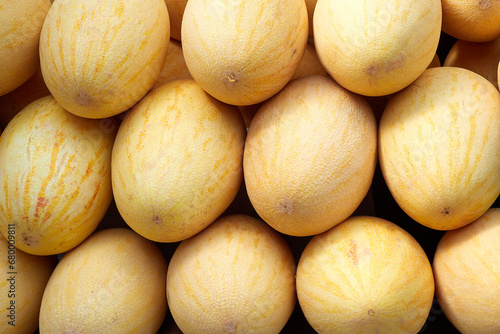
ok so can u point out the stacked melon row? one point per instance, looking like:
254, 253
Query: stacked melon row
294, 103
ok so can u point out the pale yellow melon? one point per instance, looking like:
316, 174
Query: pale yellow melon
174, 67
24, 277
236, 276
376, 47
177, 161
175, 13
55, 175
481, 58
243, 52
310, 156
365, 275
439, 147
99, 58
467, 272
472, 20
114, 282
310, 5
435, 62
309, 65
22, 22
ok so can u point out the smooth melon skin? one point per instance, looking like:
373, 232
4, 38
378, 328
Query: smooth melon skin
25, 288
365, 275
177, 161
243, 52
236, 276
376, 47
310, 156
114, 282
99, 58
22, 22
55, 175
439, 147
467, 272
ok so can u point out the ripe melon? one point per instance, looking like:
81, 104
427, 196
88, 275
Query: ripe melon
174, 67
243, 52
439, 147
467, 272
365, 275
22, 22
175, 13
310, 156
24, 277
55, 175
236, 276
376, 47
309, 64
99, 58
177, 161
114, 282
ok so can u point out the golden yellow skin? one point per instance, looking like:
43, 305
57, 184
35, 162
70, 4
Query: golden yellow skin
174, 67
365, 275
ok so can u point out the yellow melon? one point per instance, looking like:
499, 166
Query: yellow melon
177, 161
365, 275
376, 47
243, 52
481, 58
309, 65
471, 20
55, 175
439, 147
174, 67
236, 276
175, 13
310, 156
22, 22
99, 58
467, 272
310, 5
114, 282
24, 277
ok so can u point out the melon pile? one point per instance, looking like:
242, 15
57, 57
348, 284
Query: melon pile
232, 166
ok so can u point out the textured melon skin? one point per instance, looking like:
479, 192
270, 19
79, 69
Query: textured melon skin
56, 176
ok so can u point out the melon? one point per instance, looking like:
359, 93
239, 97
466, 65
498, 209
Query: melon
22, 22
114, 282
310, 156
55, 175
99, 58
177, 161
309, 64
24, 277
467, 271
174, 67
243, 52
236, 276
376, 47
175, 13
365, 275
439, 147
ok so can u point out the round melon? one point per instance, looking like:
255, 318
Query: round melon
114, 282
467, 271
365, 275
439, 145
309, 64
376, 47
55, 175
310, 156
99, 58
243, 52
22, 22
177, 161
174, 67
236, 276
24, 277
175, 13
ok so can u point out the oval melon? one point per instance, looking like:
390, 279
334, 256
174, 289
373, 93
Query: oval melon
243, 52
114, 282
55, 175
99, 58
22, 22
177, 161
236, 276
376, 47
467, 271
310, 156
365, 275
174, 67
439, 147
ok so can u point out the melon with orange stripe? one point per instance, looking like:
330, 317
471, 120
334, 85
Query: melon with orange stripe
99, 58
55, 176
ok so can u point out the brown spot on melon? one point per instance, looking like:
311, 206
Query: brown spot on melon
83, 98
286, 206
29, 240
231, 78
371, 312
484, 4
157, 219
230, 327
